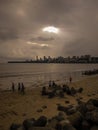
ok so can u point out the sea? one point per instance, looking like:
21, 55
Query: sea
39, 75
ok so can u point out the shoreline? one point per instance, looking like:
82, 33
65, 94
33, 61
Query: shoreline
32, 85
18, 107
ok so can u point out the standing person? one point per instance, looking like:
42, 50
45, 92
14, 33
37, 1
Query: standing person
70, 79
53, 83
22, 88
18, 87
50, 83
13, 87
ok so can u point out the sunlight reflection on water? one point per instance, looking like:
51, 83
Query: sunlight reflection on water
40, 74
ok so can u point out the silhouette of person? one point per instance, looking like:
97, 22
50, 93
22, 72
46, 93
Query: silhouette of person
13, 87
53, 84
50, 83
19, 87
22, 88
44, 92
70, 79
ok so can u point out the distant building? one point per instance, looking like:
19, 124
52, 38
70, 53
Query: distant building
37, 58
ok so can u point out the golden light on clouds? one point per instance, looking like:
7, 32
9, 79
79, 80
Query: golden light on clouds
44, 45
51, 29
37, 44
32, 43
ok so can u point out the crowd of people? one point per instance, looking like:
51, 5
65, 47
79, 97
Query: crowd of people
55, 89
52, 83
20, 88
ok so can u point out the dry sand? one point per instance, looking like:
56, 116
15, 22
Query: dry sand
15, 107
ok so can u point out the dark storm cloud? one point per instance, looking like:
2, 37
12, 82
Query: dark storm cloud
22, 21
51, 11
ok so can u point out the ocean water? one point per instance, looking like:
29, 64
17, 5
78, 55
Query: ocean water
34, 75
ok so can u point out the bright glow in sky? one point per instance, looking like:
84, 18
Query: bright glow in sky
51, 29
58, 28
44, 45
33, 43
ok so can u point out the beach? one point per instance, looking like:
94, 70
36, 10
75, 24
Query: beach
16, 107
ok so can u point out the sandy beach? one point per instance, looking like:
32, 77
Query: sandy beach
15, 107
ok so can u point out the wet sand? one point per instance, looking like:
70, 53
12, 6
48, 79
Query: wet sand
15, 107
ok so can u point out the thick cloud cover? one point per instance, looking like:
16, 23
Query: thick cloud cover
22, 21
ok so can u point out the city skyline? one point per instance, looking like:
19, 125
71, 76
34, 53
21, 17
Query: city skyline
59, 59
48, 27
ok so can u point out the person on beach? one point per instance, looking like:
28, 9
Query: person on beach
50, 83
53, 84
70, 79
19, 87
22, 88
13, 87
44, 91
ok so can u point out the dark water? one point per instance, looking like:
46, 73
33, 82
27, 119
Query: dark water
39, 74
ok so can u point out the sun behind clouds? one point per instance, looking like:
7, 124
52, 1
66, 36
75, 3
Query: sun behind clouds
51, 29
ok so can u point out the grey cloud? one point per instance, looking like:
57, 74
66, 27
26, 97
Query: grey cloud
8, 35
80, 47
39, 48
23, 20
42, 39
51, 11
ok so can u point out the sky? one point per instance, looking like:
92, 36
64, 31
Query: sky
22, 23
